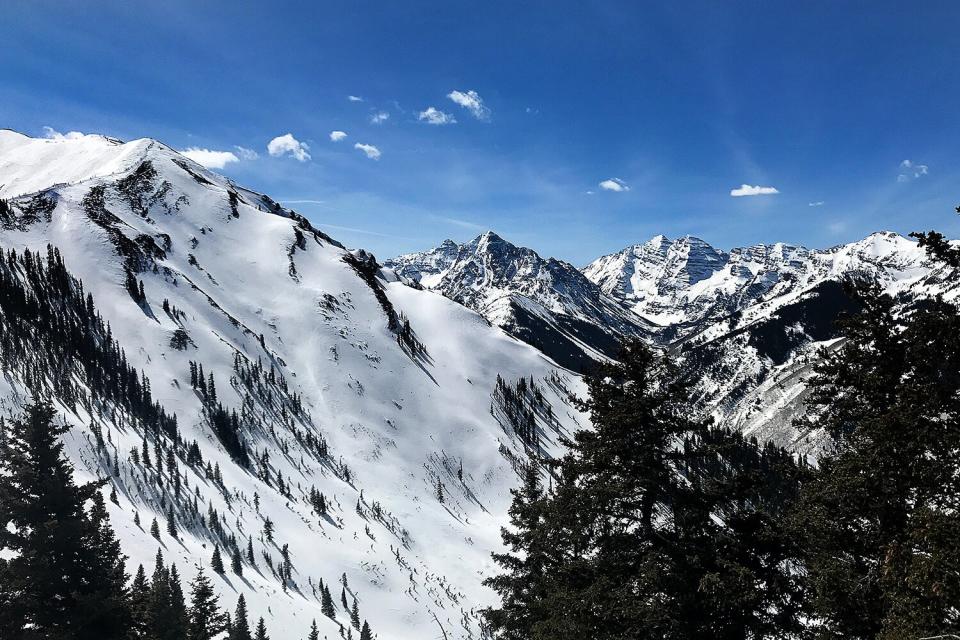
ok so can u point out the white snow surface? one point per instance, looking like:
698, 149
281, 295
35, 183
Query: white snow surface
400, 425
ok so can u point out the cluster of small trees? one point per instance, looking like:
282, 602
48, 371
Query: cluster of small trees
658, 524
53, 336
519, 405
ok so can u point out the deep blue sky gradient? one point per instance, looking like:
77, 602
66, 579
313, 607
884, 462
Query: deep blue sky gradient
683, 101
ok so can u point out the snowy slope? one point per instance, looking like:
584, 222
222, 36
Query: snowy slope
250, 280
543, 301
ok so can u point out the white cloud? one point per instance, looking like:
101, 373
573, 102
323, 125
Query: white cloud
818, 203
910, 170
53, 134
747, 190
372, 152
287, 144
354, 98
614, 184
337, 136
246, 154
209, 158
435, 116
379, 117
472, 102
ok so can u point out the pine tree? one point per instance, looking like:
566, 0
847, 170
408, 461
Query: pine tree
171, 523
236, 563
139, 603
880, 518
314, 633
365, 633
250, 557
155, 529
268, 529
657, 524
216, 562
240, 627
206, 620
343, 599
261, 632
66, 577
176, 626
326, 602
355, 615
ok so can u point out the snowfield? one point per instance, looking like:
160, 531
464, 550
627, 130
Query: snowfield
250, 281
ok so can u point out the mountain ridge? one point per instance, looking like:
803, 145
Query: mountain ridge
329, 377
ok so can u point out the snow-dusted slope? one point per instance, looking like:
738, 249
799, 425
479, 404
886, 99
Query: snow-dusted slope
545, 302
250, 282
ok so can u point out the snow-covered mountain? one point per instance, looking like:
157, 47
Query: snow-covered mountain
686, 283
748, 323
545, 302
344, 381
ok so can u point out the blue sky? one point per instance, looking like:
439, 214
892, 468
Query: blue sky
670, 105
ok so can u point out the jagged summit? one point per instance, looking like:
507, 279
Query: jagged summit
689, 282
544, 301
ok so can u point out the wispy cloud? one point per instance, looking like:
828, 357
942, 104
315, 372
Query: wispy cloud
246, 154
472, 102
910, 170
747, 190
365, 232
209, 158
818, 203
371, 151
379, 117
354, 98
432, 115
288, 145
614, 184
457, 222
337, 136
53, 134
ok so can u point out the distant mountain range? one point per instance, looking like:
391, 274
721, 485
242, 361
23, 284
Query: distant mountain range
746, 322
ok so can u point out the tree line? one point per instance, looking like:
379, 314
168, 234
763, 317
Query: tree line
660, 524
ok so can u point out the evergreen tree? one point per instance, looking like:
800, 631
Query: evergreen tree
236, 563
365, 633
171, 523
155, 529
240, 627
177, 625
66, 577
658, 525
261, 632
314, 633
355, 615
206, 619
880, 520
216, 562
139, 603
326, 602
